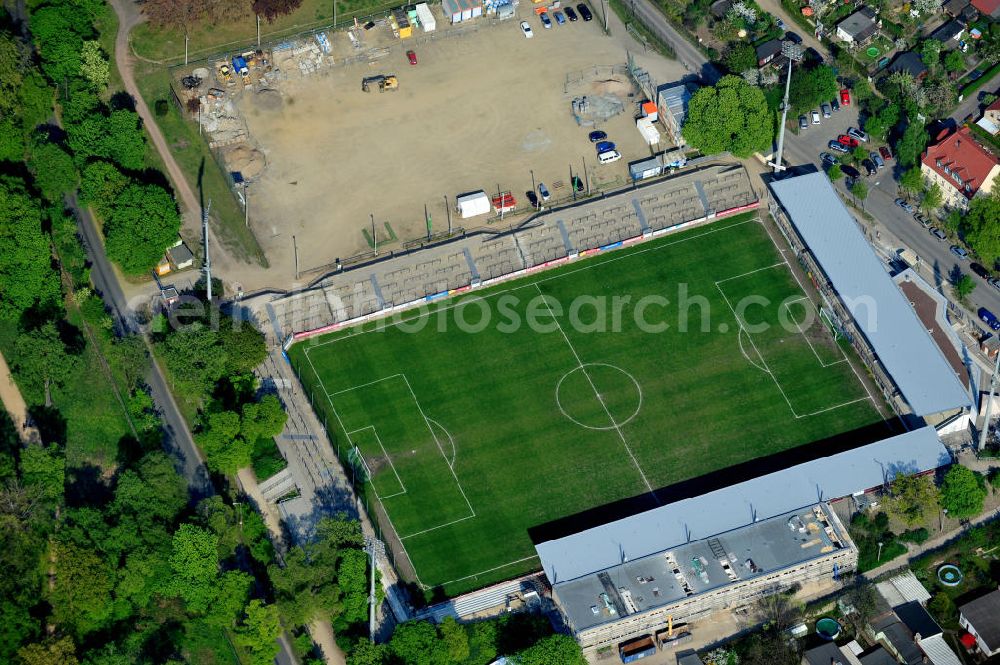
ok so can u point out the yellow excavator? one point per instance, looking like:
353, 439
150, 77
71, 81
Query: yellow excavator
383, 82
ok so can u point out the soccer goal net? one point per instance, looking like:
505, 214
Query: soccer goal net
357, 461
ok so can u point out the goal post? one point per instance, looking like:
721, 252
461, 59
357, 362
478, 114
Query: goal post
357, 460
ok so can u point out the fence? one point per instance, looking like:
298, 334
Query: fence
834, 309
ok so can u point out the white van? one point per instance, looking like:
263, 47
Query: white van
609, 156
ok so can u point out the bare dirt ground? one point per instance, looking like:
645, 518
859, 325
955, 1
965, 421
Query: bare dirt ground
13, 402
480, 110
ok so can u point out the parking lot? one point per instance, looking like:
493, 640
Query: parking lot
484, 110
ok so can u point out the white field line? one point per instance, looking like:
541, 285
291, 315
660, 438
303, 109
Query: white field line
600, 399
384, 323
490, 570
362, 385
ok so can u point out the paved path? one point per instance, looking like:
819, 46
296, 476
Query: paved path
10, 394
687, 54
971, 103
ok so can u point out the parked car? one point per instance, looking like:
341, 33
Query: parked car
584, 12
815, 117
989, 318
837, 146
848, 141
826, 110
857, 134
845, 97
885, 153
412, 57
792, 37
938, 233
874, 156
960, 252
608, 157
904, 205
560, 19
803, 122
980, 270
532, 199
827, 158
994, 282
526, 29
923, 221
577, 183
778, 22
835, 104
596, 136
605, 146
850, 171
543, 191
570, 14
546, 21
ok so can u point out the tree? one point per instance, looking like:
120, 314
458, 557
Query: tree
45, 469
912, 181
94, 65
910, 146
962, 494
557, 648
100, 184
41, 361
860, 190
912, 498
153, 491
53, 170
930, 53
142, 225
182, 14
982, 233
954, 62
859, 154
366, 653
740, 57
81, 595
272, 9
258, 633
835, 172
225, 451
926, 6
58, 33
26, 276
417, 643
195, 563
57, 652
125, 142
730, 116
455, 638
932, 198
881, 121
11, 72
233, 593
811, 87
263, 420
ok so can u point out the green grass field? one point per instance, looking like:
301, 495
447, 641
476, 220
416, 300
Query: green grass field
471, 438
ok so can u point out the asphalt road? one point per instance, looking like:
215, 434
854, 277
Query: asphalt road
687, 54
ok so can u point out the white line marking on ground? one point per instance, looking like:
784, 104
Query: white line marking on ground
597, 393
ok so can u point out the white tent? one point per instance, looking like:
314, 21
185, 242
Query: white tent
472, 204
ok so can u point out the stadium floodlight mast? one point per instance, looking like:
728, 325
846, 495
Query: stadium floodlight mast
989, 404
793, 52
374, 548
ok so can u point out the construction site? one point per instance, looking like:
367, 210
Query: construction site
468, 107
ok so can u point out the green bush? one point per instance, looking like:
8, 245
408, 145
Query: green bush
161, 107
917, 536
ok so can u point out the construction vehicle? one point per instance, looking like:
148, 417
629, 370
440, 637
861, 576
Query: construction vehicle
240, 65
225, 73
382, 81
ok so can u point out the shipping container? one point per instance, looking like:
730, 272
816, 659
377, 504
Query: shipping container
426, 18
636, 649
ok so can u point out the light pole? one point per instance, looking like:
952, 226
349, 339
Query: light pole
989, 404
944, 513
793, 52
880, 551
532, 172
375, 549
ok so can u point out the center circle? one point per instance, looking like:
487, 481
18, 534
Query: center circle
599, 396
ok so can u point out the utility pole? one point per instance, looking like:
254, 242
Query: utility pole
586, 176
208, 257
258, 30
186, 40
448, 211
989, 404
539, 201
295, 251
793, 52
375, 548
374, 237
572, 183
604, 6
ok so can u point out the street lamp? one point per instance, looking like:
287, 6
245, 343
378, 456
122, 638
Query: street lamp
944, 514
880, 551
793, 52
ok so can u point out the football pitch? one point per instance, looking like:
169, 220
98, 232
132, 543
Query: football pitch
488, 414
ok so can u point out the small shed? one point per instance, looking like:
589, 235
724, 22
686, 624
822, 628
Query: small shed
457, 11
650, 111
426, 18
472, 204
402, 21
180, 256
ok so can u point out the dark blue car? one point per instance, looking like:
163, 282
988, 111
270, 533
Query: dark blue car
605, 146
989, 318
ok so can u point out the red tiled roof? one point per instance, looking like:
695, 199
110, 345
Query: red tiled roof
986, 6
962, 156
995, 106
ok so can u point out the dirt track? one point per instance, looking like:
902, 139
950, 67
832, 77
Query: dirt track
14, 403
479, 110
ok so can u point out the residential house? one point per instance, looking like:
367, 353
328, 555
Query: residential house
828, 654
961, 166
981, 618
954, 7
911, 635
859, 28
768, 51
952, 30
989, 8
877, 655
908, 62
991, 118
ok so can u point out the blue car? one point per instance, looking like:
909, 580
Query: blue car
989, 318
560, 19
605, 146
546, 21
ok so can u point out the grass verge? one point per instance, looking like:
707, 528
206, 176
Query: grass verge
644, 34
267, 459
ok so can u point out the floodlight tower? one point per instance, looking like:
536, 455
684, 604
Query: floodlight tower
989, 404
793, 52
375, 548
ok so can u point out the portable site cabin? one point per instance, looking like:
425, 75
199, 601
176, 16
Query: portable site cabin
649, 133
649, 110
457, 11
426, 17
472, 204
402, 21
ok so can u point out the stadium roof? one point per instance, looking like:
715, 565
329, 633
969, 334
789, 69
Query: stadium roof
674, 524
881, 312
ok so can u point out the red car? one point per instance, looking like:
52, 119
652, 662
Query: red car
412, 57
845, 97
849, 141
884, 151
